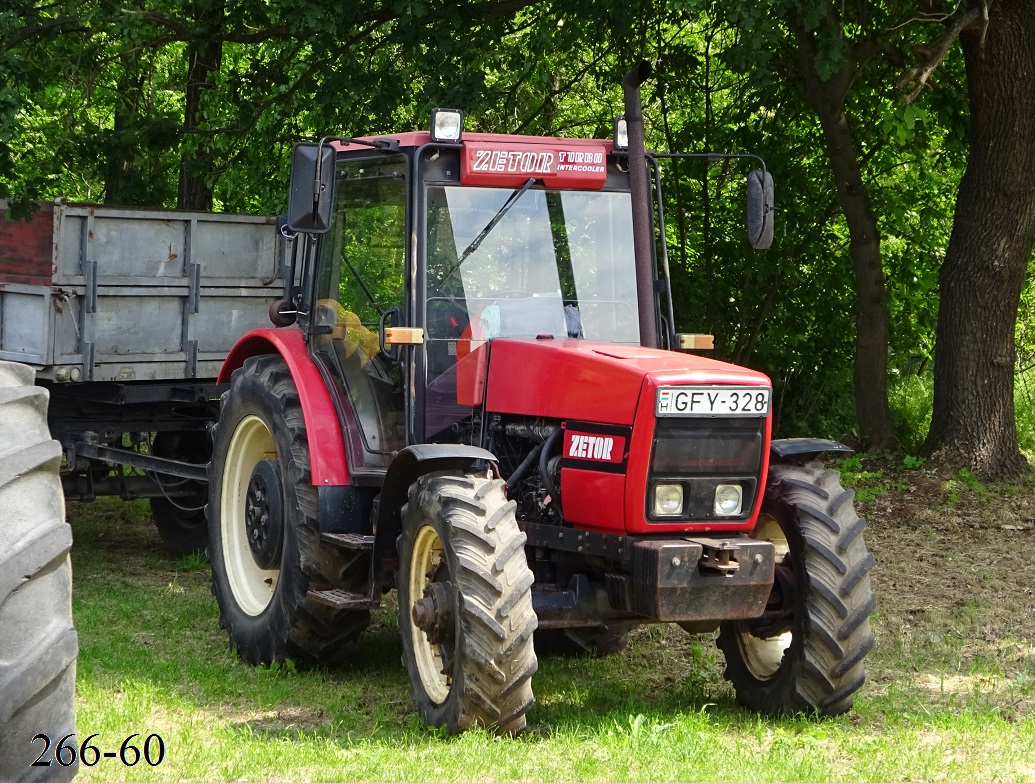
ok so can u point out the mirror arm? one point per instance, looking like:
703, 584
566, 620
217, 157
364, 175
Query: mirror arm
671, 330
710, 156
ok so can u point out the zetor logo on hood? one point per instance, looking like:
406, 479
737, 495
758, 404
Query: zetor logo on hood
597, 448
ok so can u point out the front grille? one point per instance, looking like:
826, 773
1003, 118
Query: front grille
700, 454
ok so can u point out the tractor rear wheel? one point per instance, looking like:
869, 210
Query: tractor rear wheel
465, 605
181, 522
806, 653
38, 645
263, 539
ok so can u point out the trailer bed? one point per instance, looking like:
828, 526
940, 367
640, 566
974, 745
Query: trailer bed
97, 293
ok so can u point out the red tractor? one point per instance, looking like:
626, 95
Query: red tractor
482, 404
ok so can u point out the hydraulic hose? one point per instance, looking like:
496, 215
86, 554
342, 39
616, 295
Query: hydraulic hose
526, 463
544, 458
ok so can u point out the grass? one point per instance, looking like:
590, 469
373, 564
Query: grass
943, 702
873, 482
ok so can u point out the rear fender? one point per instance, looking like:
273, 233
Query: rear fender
326, 444
409, 465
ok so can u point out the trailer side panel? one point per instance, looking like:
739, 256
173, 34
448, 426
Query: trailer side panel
95, 293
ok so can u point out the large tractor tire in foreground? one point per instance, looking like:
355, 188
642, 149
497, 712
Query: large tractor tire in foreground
38, 645
806, 655
465, 605
263, 540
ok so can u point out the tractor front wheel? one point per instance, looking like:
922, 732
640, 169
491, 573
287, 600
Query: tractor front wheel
465, 605
805, 654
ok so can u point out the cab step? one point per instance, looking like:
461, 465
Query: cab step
349, 541
340, 599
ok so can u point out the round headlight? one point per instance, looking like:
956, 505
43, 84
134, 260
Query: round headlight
729, 499
668, 500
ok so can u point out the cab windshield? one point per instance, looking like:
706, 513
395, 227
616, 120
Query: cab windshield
528, 262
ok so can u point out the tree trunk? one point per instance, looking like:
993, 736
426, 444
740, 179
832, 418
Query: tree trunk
872, 411
117, 167
204, 56
118, 164
993, 233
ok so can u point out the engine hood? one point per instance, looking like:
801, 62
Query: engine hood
592, 381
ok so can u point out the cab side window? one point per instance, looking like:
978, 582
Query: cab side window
361, 277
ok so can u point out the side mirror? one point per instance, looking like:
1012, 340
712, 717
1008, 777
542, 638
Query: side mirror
311, 192
760, 223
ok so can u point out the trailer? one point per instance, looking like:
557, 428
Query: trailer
126, 317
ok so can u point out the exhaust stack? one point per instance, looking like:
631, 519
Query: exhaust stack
639, 188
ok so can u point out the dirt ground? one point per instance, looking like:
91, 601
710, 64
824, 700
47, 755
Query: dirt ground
955, 584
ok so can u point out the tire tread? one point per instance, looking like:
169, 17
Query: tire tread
495, 654
823, 668
38, 644
309, 634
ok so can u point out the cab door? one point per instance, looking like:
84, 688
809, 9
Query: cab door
360, 285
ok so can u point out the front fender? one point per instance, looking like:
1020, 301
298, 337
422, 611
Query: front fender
409, 465
323, 429
798, 451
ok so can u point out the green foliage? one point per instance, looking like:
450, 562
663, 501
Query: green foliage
910, 462
962, 483
1024, 406
869, 485
93, 108
911, 398
969, 480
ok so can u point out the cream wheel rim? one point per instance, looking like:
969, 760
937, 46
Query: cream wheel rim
427, 558
252, 587
763, 657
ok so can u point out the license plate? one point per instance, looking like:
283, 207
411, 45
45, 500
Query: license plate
713, 401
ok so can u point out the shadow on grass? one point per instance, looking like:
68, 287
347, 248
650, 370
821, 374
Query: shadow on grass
573, 696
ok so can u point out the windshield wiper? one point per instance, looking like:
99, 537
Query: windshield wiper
511, 201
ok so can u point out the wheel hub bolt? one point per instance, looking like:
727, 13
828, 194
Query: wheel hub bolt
433, 613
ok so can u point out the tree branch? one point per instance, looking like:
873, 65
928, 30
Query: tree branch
920, 73
63, 24
558, 90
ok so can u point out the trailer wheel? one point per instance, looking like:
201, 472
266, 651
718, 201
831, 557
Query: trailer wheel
465, 605
806, 654
263, 540
38, 645
181, 522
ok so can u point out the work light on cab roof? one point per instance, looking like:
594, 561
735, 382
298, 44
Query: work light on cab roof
447, 125
620, 137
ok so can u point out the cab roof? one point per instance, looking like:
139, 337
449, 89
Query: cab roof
414, 139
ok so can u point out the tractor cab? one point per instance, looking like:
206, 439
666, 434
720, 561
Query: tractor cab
430, 250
